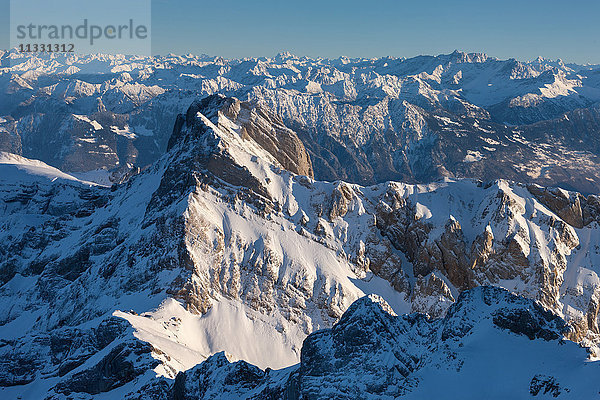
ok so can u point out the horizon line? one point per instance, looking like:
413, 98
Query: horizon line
290, 54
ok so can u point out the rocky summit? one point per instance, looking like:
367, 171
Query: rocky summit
255, 245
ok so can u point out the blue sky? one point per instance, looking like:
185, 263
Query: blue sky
521, 29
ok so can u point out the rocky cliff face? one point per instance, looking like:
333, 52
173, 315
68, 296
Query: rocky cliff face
371, 353
217, 247
269, 132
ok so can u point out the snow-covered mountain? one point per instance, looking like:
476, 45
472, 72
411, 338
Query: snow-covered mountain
491, 345
226, 243
363, 121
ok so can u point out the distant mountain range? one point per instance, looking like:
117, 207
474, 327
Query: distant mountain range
364, 121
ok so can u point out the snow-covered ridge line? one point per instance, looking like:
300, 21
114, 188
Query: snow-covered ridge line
283, 56
23, 167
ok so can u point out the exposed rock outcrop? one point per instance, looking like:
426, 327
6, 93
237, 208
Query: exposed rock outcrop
371, 352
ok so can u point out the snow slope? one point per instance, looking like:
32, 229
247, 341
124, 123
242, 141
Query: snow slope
17, 169
492, 344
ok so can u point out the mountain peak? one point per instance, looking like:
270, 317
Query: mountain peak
463, 57
249, 127
285, 55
